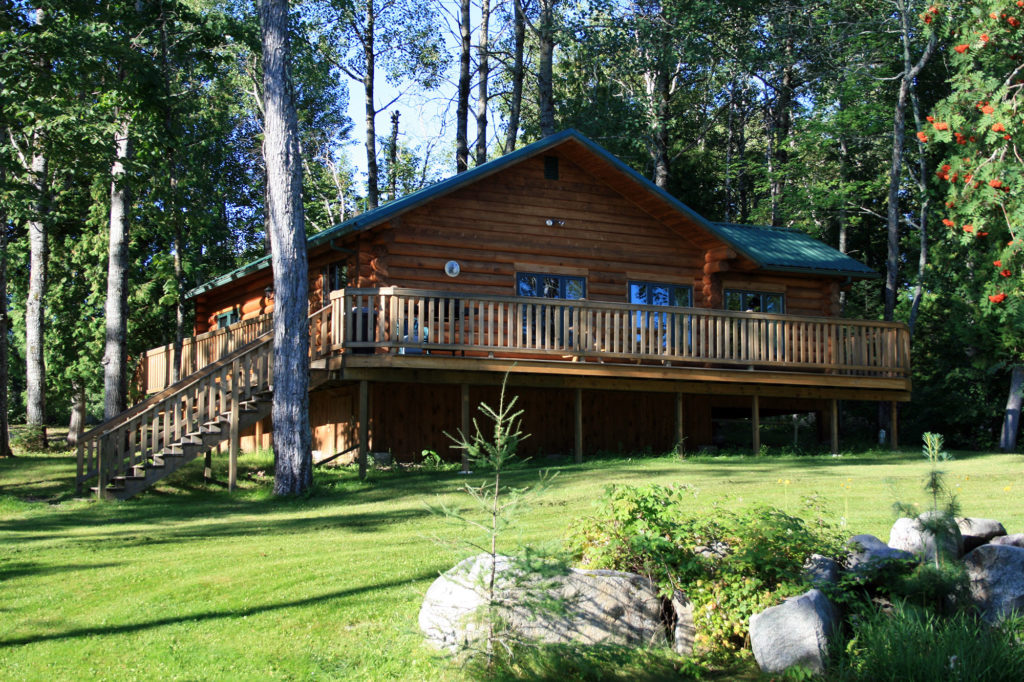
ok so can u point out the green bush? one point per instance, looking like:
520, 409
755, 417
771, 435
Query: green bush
910, 643
30, 438
730, 564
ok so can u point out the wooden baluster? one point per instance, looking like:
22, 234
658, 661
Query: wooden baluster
234, 425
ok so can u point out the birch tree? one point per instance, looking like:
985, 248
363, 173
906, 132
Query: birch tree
293, 457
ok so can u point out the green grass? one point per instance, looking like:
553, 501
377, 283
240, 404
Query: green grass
188, 581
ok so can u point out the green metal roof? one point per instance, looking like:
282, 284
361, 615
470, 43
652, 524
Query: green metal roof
769, 247
788, 250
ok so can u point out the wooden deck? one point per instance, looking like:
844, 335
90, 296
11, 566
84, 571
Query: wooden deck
415, 336
402, 330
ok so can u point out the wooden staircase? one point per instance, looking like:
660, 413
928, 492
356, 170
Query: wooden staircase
129, 453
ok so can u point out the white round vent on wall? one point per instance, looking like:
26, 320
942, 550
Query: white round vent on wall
452, 269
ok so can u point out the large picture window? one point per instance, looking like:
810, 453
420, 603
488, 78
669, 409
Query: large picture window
755, 301
551, 286
653, 293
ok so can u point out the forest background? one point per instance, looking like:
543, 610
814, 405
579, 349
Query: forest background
131, 166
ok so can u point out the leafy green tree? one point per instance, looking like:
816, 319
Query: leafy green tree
980, 129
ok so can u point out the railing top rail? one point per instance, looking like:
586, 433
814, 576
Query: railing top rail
221, 331
127, 415
607, 305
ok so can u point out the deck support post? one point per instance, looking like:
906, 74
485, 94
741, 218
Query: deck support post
680, 425
833, 414
578, 421
894, 425
466, 424
755, 414
364, 425
236, 371
208, 466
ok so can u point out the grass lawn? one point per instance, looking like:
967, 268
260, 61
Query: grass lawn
191, 582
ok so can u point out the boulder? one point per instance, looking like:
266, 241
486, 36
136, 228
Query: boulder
588, 607
684, 632
996, 574
983, 528
867, 552
1015, 540
796, 632
820, 570
911, 536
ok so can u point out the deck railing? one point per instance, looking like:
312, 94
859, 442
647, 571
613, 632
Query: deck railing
155, 368
421, 321
170, 416
413, 321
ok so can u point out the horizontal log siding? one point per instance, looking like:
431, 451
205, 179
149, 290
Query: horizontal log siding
500, 221
248, 295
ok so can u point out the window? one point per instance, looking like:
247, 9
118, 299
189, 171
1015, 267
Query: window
755, 301
334, 278
654, 328
226, 319
551, 286
536, 285
653, 293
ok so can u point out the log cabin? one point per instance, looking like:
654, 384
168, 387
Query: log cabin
622, 319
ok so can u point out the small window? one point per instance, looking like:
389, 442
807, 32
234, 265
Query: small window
334, 278
550, 167
550, 286
755, 301
654, 293
227, 319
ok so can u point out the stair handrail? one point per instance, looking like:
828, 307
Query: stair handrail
182, 384
111, 425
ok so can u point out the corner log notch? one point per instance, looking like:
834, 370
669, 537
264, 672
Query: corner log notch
716, 260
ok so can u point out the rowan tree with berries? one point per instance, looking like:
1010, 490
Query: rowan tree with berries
980, 128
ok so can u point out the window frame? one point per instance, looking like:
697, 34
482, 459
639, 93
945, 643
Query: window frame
668, 285
745, 293
563, 279
231, 316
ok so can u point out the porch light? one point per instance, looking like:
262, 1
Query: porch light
551, 222
452, 269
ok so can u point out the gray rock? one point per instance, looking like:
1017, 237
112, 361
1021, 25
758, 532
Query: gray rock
983, 528
996, 573
821, 570
1015, 540
588, 607
796, 632
685, 631
867, 552
910, 536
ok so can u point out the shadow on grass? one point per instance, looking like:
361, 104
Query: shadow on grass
19, 569
209, 615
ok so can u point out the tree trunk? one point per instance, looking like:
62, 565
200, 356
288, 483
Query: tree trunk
516, 102
483, 73
293, 457
5, 434
922, 218
1011, 418
372, 192
76, 427
115, 348
661, 95
35, 366
393, 157
546, 49
910, 72
462, 102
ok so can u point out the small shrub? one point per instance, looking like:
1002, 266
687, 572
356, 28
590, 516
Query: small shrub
731, 565
30, 439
